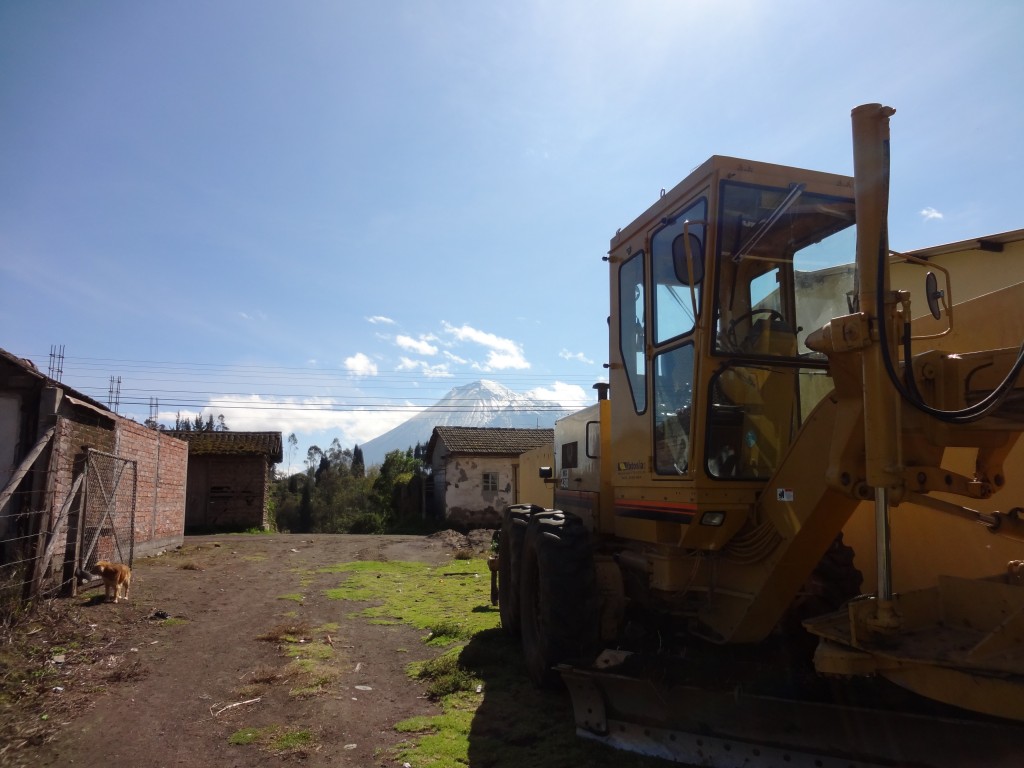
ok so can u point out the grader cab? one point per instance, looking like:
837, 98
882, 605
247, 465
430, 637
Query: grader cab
781, 435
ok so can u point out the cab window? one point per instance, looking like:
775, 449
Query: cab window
632, 334
677, 256
673, 392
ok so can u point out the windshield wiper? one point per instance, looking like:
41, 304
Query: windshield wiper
794, 193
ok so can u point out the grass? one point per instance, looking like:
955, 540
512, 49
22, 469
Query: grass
491, 715
244, 736
274, 739
313, 666
454, 598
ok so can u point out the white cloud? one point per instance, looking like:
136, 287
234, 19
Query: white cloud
502, 353
421, 345
439, 371
380, 320
567, 395
930, 213
303, 416
455, 358
579, 357
360, 365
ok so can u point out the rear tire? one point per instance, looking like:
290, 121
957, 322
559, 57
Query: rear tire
510, 545
560, 612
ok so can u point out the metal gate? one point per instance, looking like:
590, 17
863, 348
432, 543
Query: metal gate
107, 527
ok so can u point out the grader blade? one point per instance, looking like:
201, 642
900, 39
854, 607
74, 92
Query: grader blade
961, 642
734, 728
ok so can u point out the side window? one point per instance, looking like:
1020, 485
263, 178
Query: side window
673, 390
593, 444
570, 455
632, 334
677, 257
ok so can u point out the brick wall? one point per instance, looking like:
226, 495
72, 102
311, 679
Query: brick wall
160, 496
161, 465
227, 492
67, 461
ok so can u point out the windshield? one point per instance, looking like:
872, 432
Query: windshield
779, 275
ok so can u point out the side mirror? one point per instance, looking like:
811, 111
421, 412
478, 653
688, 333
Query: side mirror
687, 254
931, 289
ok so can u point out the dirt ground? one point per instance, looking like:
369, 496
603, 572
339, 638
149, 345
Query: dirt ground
166, 678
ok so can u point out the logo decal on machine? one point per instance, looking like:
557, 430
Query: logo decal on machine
631, 466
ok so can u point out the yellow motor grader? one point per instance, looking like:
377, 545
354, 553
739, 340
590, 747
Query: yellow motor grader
786, 532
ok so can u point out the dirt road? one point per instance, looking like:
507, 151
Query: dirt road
198, 655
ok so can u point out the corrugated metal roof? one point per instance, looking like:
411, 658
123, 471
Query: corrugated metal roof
232, 443
495, 441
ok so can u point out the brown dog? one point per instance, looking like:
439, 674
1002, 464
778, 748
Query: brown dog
115, 575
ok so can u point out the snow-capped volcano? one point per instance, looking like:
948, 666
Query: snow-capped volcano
480, 404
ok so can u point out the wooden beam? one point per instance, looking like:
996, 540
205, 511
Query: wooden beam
25, 466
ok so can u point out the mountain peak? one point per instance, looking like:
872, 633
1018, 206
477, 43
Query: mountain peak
482, 403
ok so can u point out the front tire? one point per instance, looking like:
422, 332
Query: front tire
510, 546
560, 612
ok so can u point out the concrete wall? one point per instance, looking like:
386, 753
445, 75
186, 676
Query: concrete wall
533, 490
459, 480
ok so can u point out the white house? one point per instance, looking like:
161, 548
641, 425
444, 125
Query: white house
476, 471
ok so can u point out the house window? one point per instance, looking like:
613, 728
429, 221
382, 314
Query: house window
490, 481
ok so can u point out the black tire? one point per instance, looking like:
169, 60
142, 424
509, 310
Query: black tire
560, 614
510, 544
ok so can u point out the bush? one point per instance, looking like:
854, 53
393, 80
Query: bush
367, 523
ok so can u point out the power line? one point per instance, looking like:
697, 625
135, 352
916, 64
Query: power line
291, 388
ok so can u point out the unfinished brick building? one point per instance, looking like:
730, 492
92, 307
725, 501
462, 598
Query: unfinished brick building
78, 482
229, 476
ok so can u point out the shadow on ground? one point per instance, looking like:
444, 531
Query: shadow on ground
517, 724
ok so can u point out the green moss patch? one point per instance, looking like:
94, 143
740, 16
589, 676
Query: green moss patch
450, 601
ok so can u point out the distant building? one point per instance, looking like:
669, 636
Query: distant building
476, 472
229, 476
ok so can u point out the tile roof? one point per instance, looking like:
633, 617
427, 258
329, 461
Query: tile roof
494, 441
232, 443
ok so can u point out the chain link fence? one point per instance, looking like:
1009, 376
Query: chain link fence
59, 516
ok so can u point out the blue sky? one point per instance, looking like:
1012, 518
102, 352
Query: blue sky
319, 216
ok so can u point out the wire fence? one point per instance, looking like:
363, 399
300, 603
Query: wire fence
59, 515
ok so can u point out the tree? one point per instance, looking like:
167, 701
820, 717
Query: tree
306, 507
313, 456
293, 445
341, 458
397, 471
358, 467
